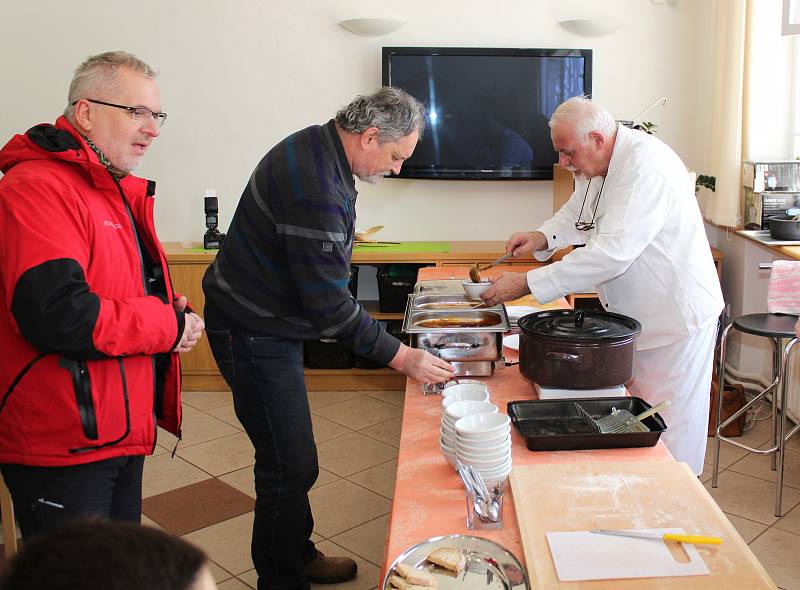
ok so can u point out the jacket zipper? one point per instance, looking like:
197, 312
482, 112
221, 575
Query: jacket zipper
146, 292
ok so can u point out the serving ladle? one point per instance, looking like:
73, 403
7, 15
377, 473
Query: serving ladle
475, 269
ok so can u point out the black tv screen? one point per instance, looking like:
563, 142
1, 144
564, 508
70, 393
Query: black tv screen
487, 109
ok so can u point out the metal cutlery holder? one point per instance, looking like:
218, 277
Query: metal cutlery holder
481, 522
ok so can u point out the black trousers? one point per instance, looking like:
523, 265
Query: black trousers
45, 497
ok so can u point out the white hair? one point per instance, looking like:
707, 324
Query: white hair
585, 116
97, 74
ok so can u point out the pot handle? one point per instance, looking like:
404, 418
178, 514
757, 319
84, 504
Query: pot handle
562, 356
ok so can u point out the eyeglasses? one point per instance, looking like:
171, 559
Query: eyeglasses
587, 225
136, 113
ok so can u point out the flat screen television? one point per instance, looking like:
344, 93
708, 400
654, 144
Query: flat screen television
487, 109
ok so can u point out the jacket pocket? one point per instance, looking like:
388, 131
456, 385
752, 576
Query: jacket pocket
83, 395
18, 378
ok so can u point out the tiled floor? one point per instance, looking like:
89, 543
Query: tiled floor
205, 492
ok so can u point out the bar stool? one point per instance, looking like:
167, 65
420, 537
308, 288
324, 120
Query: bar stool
774, 327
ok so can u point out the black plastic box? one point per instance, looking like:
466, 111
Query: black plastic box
395, 283
327, 353
555, 425
353, 284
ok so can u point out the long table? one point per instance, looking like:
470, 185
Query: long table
429, 496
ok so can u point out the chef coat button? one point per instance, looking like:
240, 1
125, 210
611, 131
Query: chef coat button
554, 237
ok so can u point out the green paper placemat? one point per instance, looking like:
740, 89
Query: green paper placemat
202, 250
404, 247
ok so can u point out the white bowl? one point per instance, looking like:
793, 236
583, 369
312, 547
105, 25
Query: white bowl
474, 290
446, 446
454, 383
481, 438
465, 396
495, 475
484, 425
483, 446
487, 466
450, 458
464, 386
458, 410
493, 457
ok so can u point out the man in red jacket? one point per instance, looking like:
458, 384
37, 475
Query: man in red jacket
90, 327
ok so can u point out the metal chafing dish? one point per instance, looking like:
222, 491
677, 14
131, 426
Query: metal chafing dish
441, 320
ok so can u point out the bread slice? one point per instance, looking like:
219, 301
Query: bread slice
415, 576
449, 558
403, 584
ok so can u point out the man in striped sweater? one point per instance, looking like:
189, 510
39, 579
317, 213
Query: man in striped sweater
281, 277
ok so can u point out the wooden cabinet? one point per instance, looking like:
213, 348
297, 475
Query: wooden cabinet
187, 266
200, 373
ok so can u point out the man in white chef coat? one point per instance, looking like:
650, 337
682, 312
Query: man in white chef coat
646, 254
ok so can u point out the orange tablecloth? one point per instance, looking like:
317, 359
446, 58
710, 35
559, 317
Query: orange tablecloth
429, 497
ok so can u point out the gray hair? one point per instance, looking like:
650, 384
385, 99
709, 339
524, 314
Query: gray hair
585, 116
97, 76
394, 112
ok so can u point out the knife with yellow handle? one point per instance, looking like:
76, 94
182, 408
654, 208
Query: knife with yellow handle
680, 538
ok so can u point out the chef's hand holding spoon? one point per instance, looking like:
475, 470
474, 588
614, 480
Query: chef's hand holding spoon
421, 365
523, 242
513, 285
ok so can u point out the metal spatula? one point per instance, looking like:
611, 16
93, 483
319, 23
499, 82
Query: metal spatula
624, 421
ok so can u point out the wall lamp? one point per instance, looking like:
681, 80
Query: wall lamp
591, 27
372, 27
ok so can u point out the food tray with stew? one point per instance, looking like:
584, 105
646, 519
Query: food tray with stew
559, 425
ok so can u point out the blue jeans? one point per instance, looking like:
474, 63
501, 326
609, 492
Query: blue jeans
265, 374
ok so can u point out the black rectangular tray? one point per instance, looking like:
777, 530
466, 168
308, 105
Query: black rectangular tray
555, 425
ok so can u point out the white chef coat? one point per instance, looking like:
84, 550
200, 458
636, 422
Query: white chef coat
648, 256
681, 373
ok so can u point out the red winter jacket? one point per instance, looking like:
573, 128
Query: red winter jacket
86, 314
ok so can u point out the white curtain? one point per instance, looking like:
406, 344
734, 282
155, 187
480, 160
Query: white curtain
727, 107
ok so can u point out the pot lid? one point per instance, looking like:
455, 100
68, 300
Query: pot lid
588, 326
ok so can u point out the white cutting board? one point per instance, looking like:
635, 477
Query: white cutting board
582, 555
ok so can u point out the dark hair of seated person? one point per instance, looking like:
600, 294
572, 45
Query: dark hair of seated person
102, 555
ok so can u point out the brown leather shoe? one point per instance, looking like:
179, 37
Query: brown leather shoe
330, 570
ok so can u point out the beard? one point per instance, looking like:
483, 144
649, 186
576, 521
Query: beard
131, 163
374, 179
577, 175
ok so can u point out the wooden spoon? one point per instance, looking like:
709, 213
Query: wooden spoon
475, 269
364, 235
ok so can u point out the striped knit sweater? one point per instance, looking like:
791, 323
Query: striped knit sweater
284, 266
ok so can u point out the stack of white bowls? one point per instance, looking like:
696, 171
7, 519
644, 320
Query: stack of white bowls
484, 441
454, 412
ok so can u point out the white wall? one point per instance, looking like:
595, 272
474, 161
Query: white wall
238, 76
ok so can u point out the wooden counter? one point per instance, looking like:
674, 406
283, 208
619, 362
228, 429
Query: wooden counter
200, 373
429, 497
